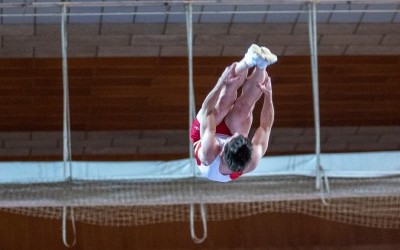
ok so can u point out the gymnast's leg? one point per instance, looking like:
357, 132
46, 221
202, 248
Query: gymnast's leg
240, 117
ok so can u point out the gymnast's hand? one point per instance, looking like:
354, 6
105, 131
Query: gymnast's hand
266, 87
228, 76
267, 112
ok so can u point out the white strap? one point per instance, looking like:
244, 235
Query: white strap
64, 227
204, 222
325, 189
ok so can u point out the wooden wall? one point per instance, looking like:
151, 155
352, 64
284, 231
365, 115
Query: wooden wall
265, 231
152, 93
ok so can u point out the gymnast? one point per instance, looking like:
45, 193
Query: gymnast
220, 130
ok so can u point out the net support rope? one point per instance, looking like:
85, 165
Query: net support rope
67, 157
319, 170
192, 114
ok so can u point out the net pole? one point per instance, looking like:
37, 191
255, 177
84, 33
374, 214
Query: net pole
66, 129
192, 108
314, 75
192, 114
319, 171
66, 114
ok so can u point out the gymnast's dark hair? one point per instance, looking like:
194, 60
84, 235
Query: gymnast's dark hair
237, 153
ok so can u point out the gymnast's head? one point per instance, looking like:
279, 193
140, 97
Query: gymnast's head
237, 153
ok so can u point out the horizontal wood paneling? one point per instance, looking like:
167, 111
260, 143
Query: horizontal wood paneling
152, 93
263, 231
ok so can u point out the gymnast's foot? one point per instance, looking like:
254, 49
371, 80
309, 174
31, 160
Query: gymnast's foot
259, 56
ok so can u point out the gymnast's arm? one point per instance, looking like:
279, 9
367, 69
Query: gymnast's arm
262, 134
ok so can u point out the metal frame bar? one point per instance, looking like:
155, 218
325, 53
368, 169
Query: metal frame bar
177, 2
198, 13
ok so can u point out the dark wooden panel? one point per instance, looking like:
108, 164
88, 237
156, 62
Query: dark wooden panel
152, 93
264, 231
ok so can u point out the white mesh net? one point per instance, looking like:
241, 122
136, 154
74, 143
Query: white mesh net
372, 202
